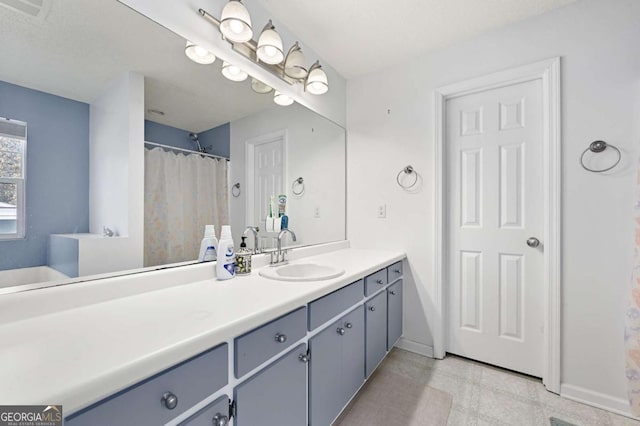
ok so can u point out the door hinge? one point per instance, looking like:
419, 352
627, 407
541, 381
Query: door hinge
232, 409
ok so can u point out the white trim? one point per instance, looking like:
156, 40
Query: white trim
597, 399
415, 347
549, 72
250, 145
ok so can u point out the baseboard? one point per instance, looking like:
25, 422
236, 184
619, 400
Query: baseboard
596, 399
415, 347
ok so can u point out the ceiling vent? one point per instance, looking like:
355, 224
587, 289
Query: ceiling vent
34, 8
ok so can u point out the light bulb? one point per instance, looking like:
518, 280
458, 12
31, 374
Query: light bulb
199, 54
201, 51
282, 99
270, 51
233, 72
236, 26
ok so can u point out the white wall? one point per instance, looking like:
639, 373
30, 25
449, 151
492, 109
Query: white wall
316, 151
116, 158
182, 18
598, 42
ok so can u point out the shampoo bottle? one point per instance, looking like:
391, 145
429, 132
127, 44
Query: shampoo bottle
209, 245
226, 266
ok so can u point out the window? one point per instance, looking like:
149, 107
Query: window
13, 150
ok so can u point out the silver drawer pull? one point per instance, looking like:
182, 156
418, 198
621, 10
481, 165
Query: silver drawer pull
372, 308
397, 271
380, 282
340, 331
348, 325
303, 358
169, 400
281, 338
393, 293
220, 420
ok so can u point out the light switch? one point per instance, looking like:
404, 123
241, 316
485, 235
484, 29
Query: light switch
382, 211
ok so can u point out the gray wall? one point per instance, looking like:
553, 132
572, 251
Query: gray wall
57, 185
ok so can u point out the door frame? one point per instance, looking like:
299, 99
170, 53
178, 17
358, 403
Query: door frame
250, 145
549, 72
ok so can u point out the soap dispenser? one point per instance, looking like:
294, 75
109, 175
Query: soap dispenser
243, 259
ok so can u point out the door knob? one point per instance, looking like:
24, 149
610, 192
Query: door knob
372, 308
303, 358
220, 420
348, 325
169, 400
533, 242
281, 338
340, 331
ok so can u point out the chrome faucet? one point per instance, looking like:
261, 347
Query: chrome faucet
281, 255
255, 231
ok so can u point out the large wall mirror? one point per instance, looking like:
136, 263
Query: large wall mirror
116, 149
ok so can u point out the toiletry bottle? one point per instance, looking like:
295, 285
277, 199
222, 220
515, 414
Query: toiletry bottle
243, 259
209, 245
226, 266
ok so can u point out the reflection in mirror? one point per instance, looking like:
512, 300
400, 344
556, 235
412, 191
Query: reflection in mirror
116, 150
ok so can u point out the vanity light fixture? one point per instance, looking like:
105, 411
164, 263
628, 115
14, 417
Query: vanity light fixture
295, 64
233, 72
282, 99
316, 83
235, 22
260, 87
199, 54
270, 50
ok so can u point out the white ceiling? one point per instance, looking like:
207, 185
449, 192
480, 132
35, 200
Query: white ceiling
358, 37
81, 45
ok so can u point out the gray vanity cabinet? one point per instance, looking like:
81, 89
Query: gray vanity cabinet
336, 368
277, 395
394, 313
376, 331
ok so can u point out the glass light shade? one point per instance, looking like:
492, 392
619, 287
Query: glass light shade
235, 22
317, 83
270, 46
282, 99
260, 87
233, 72
199, 54
295, 64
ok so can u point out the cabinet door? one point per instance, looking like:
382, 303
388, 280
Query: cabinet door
376, 331
277, 395
325, 382
352, 354
214, 414
394, 314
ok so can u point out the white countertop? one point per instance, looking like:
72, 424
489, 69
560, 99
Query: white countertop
78, 356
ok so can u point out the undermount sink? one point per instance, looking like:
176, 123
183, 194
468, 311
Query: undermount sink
301, 272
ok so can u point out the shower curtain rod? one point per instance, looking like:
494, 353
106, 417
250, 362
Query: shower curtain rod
185, 150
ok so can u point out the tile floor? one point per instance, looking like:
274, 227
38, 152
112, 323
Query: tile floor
485, 395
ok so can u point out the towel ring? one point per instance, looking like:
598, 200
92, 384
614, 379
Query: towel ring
298, 183
597, 147
235, 190
408, 171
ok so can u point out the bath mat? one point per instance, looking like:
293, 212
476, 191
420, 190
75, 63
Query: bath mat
389, 399
558, 422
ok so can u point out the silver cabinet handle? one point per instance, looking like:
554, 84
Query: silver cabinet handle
340, 331
303, 358
533, 242
397, 271
391, 292
380, 282
348, 325
372, 308
281, 338
220, 420
169, 400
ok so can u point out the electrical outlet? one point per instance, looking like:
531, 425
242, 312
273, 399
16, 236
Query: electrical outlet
316, 212
382, 211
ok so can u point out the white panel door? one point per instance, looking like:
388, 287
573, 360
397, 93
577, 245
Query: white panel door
268, 177
495, 204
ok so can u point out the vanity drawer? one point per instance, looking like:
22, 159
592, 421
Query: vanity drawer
327, 307
260, 344
394, 271
216, 413
375, 282
190, 382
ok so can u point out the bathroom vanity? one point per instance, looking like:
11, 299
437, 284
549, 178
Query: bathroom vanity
252, 349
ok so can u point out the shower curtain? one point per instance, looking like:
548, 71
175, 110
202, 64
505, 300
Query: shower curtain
632, 329
182, 194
